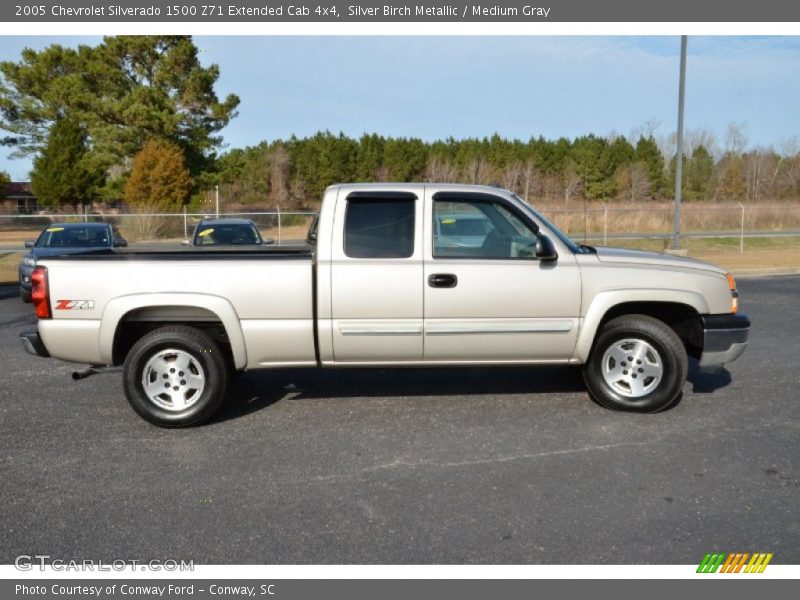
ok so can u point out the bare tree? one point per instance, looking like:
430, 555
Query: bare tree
478, 171
735, 138
645, 130
280, 164
511, 176
571, 182
383, 173
759, 173
440, 169
530, 179
694, 138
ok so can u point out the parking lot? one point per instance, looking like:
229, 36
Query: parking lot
506, 465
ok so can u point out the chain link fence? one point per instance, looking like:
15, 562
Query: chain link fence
591, 222
284, 228
603, 223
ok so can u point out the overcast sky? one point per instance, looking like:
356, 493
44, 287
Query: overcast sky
435, 87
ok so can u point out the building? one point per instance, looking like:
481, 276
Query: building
18, 198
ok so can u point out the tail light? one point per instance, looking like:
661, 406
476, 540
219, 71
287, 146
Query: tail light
734, 293
40, 295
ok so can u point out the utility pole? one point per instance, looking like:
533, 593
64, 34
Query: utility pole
676, 240
216, 194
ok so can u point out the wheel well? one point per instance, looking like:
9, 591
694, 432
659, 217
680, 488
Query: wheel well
683, 319
139, 322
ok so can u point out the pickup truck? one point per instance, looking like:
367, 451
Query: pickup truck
379, 285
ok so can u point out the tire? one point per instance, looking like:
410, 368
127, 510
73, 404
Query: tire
193, 370
26, 296
660, 365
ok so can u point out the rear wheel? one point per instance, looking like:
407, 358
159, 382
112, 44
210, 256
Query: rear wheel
638, 364
175, 376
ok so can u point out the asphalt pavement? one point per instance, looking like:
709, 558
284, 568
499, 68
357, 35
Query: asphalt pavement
506, 465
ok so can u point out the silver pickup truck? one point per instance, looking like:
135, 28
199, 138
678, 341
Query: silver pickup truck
393, 275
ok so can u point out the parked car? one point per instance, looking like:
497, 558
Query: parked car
227, 232
461, 230
64, 238
380, 290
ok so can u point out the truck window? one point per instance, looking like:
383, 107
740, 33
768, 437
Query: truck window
379, 228
480, 229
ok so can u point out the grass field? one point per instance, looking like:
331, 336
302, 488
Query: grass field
657, 217
8, 267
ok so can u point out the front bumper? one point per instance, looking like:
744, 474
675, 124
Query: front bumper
724, 338
33, 343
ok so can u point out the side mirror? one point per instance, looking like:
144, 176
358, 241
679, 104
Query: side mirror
186, 243
29, 243
545, 250
120, 242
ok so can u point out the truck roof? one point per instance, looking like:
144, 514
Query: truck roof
227, 221
455, 187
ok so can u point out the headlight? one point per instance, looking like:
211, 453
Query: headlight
29, 261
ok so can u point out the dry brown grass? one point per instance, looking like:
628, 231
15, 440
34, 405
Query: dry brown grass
8, 267
759, 253
657, 217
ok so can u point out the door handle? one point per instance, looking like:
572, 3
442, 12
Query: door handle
442, 280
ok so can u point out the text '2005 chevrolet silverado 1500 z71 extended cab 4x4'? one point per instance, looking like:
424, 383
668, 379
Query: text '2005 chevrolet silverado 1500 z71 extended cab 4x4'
394, 275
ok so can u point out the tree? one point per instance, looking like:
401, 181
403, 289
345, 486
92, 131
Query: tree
633, 182
699, 174
61, 173
5, 179
159, 179
648, 153
124, 91
279, 167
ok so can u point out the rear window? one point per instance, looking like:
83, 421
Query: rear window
379, 228
227, 234
464, 225
74, 237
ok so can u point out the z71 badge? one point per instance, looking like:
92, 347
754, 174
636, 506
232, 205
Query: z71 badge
74, 304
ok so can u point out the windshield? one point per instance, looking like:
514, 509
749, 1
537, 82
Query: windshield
88, 236
227, 234
576, 248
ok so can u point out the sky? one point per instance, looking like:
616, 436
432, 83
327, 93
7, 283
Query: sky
473, 86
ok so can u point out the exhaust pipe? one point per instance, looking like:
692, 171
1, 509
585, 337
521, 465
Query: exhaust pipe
88, 372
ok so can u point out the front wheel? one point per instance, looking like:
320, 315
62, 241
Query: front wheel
175, 376
638, 364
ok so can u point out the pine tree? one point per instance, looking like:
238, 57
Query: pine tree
648, 153
699, 174
62, 173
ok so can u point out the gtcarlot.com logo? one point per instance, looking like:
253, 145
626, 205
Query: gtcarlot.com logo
734, 562
42, 562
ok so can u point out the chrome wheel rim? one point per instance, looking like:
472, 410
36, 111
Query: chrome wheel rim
632, 367
173, 379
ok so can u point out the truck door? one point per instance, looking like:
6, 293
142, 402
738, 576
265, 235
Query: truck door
376, 278
487, 298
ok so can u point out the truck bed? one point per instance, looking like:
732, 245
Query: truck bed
267, 294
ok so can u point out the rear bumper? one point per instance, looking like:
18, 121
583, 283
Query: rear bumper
724, 338
33, 344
